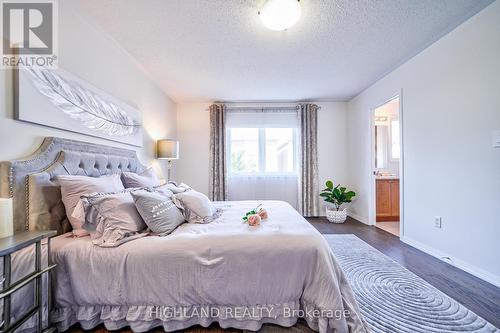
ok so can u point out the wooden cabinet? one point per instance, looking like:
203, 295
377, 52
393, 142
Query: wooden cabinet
387, 199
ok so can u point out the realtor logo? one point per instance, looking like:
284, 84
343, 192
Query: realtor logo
29, 33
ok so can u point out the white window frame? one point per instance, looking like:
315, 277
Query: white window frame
262, 155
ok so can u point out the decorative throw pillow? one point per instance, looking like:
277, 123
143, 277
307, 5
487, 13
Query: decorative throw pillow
196, 207
147, 178
73, 187
172, 186
158, 211
112, 218
163, 189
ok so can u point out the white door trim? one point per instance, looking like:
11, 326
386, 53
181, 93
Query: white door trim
372, 200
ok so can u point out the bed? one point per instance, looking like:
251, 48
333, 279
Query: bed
225, 271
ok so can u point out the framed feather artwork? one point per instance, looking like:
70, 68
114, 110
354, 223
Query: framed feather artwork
58, 99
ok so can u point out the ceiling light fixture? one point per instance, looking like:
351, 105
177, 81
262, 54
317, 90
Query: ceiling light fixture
280, 14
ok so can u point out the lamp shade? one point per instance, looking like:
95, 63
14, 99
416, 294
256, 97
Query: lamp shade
167, 149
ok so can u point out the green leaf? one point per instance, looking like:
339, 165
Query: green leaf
336, 194
350, 194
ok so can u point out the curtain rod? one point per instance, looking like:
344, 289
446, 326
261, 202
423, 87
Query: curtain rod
261, 108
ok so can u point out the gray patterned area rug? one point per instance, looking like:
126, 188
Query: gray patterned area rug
393, 299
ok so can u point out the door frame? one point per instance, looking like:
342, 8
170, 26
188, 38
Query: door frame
372, 218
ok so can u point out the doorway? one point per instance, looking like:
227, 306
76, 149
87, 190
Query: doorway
386, 175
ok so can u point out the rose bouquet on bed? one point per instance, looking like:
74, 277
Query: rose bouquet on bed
255, 216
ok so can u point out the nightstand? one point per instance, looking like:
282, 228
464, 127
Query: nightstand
9, 245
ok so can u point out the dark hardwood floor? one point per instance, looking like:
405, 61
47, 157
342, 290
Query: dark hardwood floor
477, 295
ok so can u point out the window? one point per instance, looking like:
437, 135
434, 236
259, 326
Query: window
244, 150
395, 140
280, 150
261, 154
261, 150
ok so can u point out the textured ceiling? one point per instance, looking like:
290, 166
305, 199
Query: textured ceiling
199, 50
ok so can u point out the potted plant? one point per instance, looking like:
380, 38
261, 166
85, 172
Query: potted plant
335, 197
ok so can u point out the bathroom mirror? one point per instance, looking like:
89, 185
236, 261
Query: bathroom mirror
381, 146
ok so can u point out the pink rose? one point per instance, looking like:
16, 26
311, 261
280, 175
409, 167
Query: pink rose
263, 214
253, 220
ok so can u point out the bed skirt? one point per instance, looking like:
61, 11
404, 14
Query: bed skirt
144, 318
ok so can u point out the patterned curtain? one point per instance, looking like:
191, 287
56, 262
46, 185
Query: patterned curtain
308, 162
217, 172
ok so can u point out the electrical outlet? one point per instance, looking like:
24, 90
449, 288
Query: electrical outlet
437, 221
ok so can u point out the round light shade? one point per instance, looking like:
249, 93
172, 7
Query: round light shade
167, 149
280, 14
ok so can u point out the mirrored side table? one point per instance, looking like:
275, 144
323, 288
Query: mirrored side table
8, 246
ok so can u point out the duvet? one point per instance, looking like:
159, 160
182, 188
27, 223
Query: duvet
224, 271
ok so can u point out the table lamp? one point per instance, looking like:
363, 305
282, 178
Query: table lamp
167, 149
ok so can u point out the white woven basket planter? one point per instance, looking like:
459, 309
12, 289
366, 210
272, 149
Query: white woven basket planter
336, 216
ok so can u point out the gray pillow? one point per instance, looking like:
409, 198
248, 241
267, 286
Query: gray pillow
111, 218
196, 207
158, 211
73, 187
147, 178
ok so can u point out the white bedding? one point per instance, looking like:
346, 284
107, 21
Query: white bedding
224, 271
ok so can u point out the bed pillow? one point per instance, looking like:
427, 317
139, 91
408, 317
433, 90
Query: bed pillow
163, 189
111, 218
158, 211
196, 207
147, 178
175, 188
73, 187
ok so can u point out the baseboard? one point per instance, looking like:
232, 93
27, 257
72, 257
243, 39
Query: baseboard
471, 269
359, 218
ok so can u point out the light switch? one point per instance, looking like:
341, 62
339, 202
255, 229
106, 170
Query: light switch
438, 221
496, 139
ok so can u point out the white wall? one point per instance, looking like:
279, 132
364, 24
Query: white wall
193, 132
332, 144
451, 106
90, 55
193, 128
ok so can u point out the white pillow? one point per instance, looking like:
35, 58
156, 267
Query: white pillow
112, 218
74, 187
163, 189
147, 178
172, 186
196, 207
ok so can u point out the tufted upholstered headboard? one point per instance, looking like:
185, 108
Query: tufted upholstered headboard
30, 181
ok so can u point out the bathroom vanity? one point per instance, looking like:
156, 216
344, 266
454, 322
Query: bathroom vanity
387, 190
